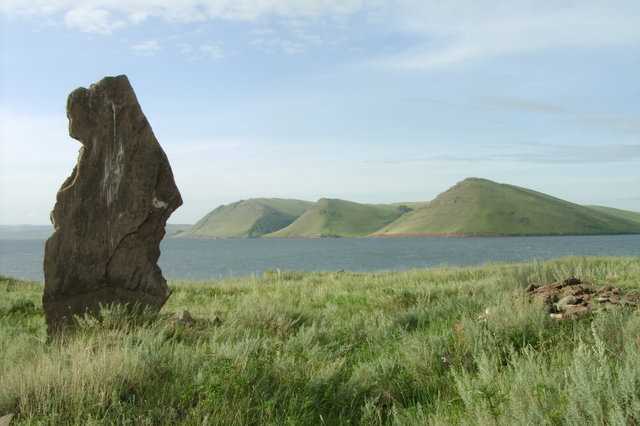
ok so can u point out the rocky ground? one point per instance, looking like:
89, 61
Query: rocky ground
573, 298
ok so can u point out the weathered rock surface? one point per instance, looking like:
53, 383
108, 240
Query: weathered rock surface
6, 420
573, 298
110, 214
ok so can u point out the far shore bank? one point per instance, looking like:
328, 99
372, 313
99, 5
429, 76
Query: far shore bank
396, 236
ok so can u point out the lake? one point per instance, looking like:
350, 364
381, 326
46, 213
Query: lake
204, 259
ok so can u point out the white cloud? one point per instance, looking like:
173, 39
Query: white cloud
104, 16
92, 20
459, 31
278, 44
147, 48
444, 33
210, 50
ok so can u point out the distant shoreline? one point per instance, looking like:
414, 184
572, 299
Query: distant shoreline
378, 236
408, 235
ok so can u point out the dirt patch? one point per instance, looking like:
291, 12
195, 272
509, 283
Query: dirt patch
573, 298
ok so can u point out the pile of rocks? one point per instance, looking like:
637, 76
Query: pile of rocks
573, 298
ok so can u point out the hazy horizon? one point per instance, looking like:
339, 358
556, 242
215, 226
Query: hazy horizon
173, 222
370, 101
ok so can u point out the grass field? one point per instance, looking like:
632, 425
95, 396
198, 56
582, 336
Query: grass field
441, 346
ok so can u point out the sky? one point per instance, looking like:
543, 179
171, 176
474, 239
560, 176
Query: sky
368, 100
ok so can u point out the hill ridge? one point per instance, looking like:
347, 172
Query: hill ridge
471, 207
480, 207
250, 218
334, 217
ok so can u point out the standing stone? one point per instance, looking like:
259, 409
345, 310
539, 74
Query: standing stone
110, 214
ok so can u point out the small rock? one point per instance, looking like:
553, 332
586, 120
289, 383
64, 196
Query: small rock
572, 281
633, 297
184, 318
583, 289
6, 420
485, 315
572, 312
531, 287
567, 301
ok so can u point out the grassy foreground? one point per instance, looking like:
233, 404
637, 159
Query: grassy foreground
440, 346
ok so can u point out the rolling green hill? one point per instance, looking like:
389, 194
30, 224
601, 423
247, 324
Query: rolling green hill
247, 218
623, 214
482, 207
173, 229
339, 218
474, 206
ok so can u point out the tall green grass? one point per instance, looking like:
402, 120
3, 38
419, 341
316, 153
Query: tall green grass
439, 346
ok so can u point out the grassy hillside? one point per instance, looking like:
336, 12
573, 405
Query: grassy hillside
248, 218
623, 214
441, 347
173, 229
472, 207
411, 205
482, 207
339, 218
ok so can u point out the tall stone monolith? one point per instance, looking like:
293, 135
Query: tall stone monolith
110, 214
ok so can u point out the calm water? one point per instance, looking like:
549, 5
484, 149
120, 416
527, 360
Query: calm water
202, 259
